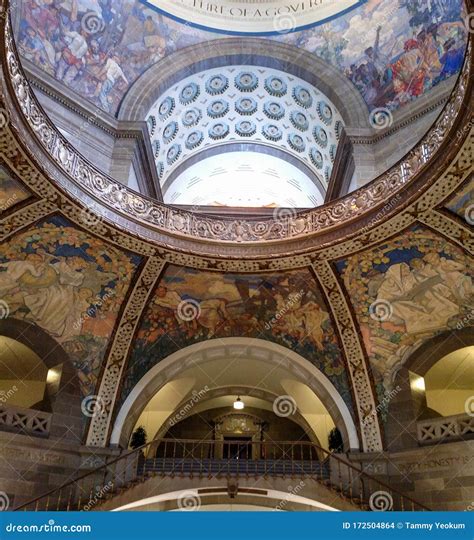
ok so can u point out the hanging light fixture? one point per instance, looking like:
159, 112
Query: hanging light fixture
239, 404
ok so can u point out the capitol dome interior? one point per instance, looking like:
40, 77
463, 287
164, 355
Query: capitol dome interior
236, 255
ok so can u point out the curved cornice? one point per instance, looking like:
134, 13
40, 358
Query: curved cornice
182, 231
148, 88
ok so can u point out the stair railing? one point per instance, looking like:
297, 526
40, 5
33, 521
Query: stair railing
224, 459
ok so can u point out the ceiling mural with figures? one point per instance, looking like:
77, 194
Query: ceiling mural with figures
404, 292
11, 191
71, 285
392, 51
190, 306
120, 294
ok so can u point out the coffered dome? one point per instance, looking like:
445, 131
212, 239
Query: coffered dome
208, 121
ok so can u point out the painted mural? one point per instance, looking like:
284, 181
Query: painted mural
11, 192
405, 292
71, 285
190, 306
392, 50
462, 204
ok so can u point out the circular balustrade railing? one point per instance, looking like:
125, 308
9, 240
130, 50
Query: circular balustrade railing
287, 232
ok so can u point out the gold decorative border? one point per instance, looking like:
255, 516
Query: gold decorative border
122, 342
359, 370
79, 173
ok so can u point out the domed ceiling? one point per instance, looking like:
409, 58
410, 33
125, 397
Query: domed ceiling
356, 305
392, 51
237, 110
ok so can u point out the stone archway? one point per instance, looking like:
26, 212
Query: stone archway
406, 404
223, 349
64, 393
253, 51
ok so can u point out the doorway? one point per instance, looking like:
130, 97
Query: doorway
237, 447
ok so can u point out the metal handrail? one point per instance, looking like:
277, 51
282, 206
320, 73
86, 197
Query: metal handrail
139, 462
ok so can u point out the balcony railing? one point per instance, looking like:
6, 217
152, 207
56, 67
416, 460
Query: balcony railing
27, 421
447, 428
223, 459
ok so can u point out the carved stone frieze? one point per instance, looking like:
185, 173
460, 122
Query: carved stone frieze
121, 343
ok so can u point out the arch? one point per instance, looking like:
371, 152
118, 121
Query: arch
65, 394
408, 405
422, 359
268, 499
260, 393
252, 51
255, 349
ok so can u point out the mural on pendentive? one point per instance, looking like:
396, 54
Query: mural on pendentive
71, 285
11, 192
191, 306
405, 292
462, 204
392, 50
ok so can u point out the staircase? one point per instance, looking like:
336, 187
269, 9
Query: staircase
199, 465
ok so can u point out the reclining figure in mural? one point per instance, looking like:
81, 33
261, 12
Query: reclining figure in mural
425, 296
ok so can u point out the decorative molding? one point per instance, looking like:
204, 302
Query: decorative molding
189, 226
359, 370
24, 217
30, 421
450, 228
118, 353
231, 349
449, 428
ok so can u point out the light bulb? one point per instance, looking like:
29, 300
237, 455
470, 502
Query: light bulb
239, 404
